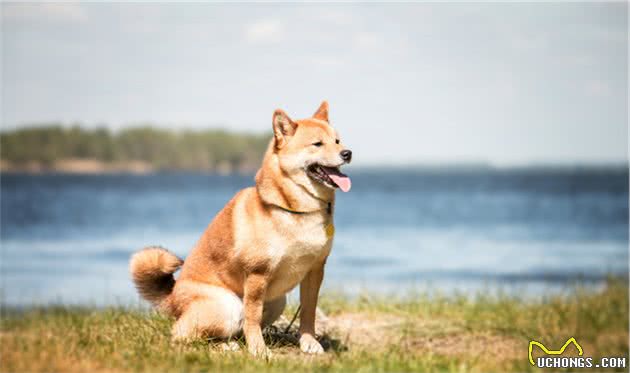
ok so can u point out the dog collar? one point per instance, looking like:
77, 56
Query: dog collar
330, 228
328, 210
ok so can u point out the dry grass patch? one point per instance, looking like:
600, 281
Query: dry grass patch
477, 334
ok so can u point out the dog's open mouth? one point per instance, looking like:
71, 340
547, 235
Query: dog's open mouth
332, 177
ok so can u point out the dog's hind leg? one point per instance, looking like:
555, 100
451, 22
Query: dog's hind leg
215, 312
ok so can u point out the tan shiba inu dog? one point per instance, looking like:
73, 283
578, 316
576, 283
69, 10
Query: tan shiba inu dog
264, 242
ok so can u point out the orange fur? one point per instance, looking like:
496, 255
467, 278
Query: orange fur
255, 251
152, 270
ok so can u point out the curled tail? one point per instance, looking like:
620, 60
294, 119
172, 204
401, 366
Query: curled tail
152, 271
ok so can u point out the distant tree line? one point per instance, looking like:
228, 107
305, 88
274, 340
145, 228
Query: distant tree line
162, 149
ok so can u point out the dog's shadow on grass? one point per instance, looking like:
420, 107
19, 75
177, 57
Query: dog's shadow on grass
332, 344
280, 337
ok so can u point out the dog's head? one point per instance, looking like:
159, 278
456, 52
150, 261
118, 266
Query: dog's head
310, 151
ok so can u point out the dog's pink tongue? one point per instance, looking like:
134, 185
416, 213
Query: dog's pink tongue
342, 181
339, 178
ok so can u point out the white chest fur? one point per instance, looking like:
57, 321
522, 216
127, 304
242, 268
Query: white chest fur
303, 242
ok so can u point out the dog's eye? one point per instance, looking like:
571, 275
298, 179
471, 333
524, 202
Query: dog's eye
318, 144
337, 141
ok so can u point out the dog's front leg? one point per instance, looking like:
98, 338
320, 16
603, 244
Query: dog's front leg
309, 291
253, 299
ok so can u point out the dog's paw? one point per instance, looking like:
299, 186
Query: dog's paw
309, 345
259, 350
230, 346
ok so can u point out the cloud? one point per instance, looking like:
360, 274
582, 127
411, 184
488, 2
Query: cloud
328, 61
369, 40
598, 88
335, 17
265, 31
45, 12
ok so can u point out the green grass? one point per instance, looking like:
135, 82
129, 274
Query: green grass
366, 334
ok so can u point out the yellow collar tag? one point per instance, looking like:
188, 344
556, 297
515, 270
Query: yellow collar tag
330, 230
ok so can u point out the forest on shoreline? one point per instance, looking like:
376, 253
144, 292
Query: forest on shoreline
137, 149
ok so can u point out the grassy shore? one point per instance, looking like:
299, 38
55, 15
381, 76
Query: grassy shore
417, 333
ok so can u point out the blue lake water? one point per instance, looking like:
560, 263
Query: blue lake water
68, 238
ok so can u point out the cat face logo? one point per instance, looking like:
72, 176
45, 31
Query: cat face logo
553, 352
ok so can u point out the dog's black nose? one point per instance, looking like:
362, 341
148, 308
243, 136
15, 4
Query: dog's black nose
346, 155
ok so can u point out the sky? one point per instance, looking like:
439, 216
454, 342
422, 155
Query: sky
425, 83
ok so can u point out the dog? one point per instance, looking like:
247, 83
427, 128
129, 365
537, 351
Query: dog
267, 239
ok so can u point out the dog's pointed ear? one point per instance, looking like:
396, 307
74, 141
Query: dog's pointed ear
283, 128
322, 112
